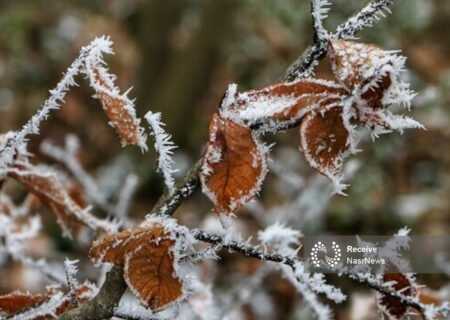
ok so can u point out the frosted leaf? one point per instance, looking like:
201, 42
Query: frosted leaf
390, 307
324, 140
384, 121
118, 107
373, 75
234, 165
280, 104
150, 253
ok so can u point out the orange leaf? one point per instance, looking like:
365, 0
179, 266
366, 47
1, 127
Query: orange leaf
234, 165
324, 141
118, 107
149, 274
16, 301
146, 251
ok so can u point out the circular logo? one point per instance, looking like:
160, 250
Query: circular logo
320, 247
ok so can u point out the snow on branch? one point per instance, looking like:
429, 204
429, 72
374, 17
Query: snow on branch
57, 95
71, 267
310, 285
68, 157
365, 18
319, 12
304, 66
164, 148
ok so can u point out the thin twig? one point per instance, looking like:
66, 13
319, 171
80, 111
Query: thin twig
254, 252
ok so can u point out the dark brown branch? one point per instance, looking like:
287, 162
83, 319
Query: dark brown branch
104, 303
253, 252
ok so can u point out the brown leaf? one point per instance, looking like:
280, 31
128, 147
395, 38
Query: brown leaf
285, 102
16, 301
394, 307
324, 141
234, 165
119, 108
149, 274
364, 67
53, 195
147, 256
19, 301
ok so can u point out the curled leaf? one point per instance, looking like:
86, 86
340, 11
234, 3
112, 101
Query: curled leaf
371, 74
118, 107
324, 140
146, 252
234, 165
280, 104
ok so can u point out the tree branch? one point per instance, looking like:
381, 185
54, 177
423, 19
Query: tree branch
102, 305
304, 65
369, 281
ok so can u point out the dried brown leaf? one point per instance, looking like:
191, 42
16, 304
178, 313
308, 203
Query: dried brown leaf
324, 141
146, 251
118, 107
52, 194
234, 165
361, 66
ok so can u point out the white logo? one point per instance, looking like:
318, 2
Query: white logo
319, 246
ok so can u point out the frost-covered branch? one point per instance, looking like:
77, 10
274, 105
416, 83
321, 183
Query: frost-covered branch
125, 196
304, 65
54, 102
164, 148
71, 268
315, 282
365, 18
319, 10
68, 157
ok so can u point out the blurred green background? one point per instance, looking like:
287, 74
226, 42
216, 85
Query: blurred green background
180, 55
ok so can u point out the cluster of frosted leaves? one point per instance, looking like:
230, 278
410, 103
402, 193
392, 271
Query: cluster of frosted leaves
148, 253
329, 114
118, 107
18, 301
68, 204
390, 307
